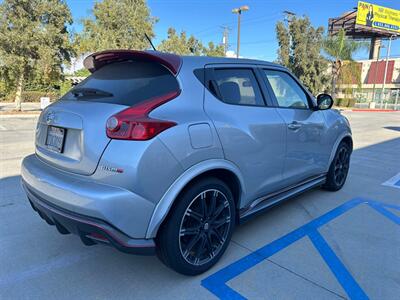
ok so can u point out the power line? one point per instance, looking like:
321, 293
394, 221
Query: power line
213, 29
257, 42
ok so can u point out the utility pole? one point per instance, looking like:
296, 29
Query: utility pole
288, 16
225, 39
288, 19
239, 12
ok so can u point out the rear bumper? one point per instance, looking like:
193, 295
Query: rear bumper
83, 205
84, 195
90, 230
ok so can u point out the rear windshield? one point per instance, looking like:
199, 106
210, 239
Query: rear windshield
125, 83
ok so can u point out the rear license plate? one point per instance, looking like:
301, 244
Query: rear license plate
55, 138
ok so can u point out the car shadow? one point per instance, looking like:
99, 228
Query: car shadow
53, 257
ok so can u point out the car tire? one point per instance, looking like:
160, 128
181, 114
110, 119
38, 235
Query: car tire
199, 227
338, 169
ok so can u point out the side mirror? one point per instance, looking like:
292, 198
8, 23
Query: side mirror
324, 101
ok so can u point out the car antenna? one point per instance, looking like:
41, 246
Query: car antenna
147, 37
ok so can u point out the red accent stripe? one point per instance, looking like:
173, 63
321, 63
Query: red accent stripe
121, 242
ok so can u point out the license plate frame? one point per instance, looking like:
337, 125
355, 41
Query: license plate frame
55, 138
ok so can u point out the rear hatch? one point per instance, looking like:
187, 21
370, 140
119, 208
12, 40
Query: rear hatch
71, 133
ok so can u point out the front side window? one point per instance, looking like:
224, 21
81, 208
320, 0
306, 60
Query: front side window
287, 91
238, 86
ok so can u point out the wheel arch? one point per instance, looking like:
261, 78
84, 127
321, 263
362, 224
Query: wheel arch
348, 140
221, 169
345, 137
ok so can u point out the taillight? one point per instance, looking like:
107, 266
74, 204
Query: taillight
134, 122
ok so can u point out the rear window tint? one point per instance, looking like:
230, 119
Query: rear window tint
238, 86
129, 83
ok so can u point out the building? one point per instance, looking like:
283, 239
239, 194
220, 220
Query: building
371, 90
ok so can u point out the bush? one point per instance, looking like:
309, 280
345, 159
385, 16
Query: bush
352, 103
343, 102
336, 101
31, 96
34, 96
65, 86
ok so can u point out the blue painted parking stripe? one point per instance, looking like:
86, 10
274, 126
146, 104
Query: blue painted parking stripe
390, 206
388, 214
216, 283
343, 276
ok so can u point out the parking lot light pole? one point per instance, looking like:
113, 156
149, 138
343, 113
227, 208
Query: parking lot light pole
376, 72
386, 67
239, 12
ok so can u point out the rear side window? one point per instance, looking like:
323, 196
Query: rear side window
125, 83
238, 86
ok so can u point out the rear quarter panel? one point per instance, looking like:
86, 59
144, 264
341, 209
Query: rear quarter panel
147, 168
194, 138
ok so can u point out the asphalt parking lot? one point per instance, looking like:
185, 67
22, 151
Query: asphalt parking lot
321, 245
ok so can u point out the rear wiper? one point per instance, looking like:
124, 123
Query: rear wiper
81, 92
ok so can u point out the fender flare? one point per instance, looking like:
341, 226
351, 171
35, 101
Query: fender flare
164, 205
336, 145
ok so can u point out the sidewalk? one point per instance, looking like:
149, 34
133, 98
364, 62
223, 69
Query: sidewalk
26, 107
29, 109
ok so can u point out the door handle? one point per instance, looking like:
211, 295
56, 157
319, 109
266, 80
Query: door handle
294, 126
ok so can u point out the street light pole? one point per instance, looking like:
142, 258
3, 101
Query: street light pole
239, 12
376, 71
238, 36
386, 67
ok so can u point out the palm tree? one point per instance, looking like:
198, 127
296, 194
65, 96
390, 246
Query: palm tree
340, 50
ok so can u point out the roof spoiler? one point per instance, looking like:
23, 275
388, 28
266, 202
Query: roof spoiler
99, 59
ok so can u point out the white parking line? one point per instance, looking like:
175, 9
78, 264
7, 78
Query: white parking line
2, 127
393, 182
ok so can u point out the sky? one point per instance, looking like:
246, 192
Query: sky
205, 18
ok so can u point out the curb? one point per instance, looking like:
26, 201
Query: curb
375, 110
366, 110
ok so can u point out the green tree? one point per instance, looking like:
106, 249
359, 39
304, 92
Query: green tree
350, 75
181, 44
213, 50
34, 42
299, 50
82, 73
116, 25
340, 50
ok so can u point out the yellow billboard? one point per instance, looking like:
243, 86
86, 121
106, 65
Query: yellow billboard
378, 17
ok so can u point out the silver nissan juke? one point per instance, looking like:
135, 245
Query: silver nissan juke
159, 153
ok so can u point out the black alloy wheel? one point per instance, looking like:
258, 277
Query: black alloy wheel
342, 163
339, 168
199, 227
204, 227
